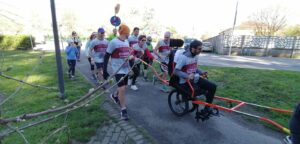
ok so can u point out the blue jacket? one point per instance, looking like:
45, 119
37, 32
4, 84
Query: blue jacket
71, 52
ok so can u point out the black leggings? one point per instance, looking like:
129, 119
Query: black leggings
295, 125
91, 64
136, 72
72, 64
78, 48
203, 84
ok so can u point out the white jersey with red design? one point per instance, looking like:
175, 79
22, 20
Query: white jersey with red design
133, 40
99, 48
186, 64
138, 51
119, 51
164, 50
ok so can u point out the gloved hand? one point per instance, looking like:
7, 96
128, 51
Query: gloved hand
105, 75
131, 57
204, 74
143, 52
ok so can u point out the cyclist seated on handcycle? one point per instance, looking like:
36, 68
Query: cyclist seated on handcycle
186, 69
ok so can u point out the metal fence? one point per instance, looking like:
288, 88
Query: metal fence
262, 42
221, 43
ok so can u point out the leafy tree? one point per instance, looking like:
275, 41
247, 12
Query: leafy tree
68, 23
292, 31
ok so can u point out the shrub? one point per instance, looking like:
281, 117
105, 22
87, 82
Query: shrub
16, 42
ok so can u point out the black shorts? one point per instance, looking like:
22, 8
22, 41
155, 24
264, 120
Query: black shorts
148, 61
123, 82
164, 67
99, 65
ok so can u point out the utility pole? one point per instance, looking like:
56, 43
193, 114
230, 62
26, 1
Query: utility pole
236, 9
57, 52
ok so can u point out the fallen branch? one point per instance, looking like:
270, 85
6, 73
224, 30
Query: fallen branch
21, 86
21, 81
34, 115
53, 133
20, 133
8, 132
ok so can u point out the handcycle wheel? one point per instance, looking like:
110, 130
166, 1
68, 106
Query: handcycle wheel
178, 104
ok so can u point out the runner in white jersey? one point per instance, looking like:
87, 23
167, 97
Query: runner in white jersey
90, 55
98, 48
118, 49
133, 39
139, 50
162, 50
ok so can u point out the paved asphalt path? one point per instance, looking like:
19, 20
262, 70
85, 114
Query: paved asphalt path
249, 62
149, 109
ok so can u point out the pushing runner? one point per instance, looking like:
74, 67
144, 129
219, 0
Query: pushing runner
139, 52
162, 50
148, 58
118, 49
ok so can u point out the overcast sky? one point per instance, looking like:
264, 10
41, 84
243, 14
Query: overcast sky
187, 16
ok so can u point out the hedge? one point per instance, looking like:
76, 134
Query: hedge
16, 42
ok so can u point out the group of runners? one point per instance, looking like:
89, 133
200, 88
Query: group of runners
126, 53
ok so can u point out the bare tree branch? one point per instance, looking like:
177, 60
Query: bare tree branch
34, 115
19, 132
269, 21
53, 133
8, 132
25, 79
21, 81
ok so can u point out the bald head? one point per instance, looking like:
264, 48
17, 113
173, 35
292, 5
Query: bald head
167, 36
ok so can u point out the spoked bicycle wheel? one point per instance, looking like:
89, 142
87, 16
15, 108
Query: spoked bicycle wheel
177, 103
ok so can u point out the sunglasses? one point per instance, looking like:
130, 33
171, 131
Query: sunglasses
102, 33
143, 40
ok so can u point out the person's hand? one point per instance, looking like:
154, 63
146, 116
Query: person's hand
204, 74
105, 75
131, 57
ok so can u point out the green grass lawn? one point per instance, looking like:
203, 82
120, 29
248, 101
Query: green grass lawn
274, 88
82, 123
